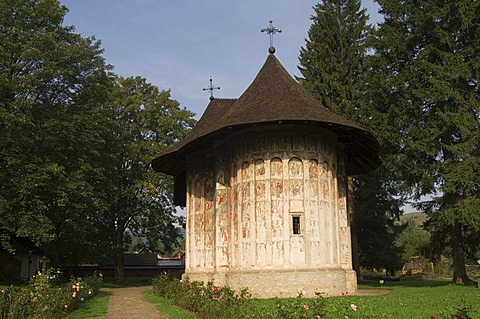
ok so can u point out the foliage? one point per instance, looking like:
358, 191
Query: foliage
53, 83
205, 300
464, 312
76, 142
145, 122
413, 241
300, 307
424, 87
374, 220
42, 298
333, 57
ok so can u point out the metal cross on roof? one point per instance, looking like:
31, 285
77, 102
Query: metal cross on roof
211, 89
271, 30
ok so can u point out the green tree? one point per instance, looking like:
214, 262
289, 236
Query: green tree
413, 241
427, 91
53, 83
332, 60
146, 121
333, 66
374, 220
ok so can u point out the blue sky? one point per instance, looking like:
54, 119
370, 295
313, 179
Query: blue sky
179, 45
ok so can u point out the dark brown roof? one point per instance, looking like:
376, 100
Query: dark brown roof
273, 97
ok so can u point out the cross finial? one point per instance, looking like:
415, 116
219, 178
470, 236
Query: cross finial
271, 30
211, 89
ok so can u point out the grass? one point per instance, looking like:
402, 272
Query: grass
94, 308
406, 300
413, 299
166, 307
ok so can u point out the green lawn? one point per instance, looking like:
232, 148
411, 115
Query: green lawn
413, 299
410, 299
166, 307
406, 300
95, 308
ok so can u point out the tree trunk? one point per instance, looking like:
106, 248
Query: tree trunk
353, 229
119, 269
459, 271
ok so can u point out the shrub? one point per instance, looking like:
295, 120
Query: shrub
300, 307
205, 300
209, 301
43, 298
458, 313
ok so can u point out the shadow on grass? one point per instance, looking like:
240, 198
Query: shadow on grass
129, 282
374, 284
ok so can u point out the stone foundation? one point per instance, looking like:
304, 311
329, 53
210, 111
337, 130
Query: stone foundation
283, 283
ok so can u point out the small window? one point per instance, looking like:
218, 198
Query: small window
296, 225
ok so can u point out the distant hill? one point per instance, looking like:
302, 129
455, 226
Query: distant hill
417, 217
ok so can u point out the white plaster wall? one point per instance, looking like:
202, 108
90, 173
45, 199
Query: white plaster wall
242, 196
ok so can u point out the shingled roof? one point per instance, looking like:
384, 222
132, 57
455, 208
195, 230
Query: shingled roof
273, 97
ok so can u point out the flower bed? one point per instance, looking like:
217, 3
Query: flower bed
209, 301
43, 298
406, 301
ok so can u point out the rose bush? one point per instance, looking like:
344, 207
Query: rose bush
209, 301
45, 298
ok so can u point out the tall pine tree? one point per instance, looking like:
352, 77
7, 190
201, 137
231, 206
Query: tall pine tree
333, 70
427, 66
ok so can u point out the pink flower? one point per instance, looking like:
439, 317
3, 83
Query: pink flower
305, 307
344, 293
215, 298
216, 289
74, 294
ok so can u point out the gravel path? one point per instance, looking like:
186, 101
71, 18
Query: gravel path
128, 303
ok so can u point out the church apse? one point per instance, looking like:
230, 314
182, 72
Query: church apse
267, 204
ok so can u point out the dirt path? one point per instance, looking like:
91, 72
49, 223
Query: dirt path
128, 303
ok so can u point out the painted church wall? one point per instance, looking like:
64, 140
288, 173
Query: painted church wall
268, 200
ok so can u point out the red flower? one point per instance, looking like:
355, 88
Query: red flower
458, 314
216, 289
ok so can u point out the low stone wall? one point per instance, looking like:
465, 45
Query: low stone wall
421, 266
283, 283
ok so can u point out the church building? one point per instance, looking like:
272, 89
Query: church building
264, 181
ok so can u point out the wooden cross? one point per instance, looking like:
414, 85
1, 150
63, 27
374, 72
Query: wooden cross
211, 89
271, 30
